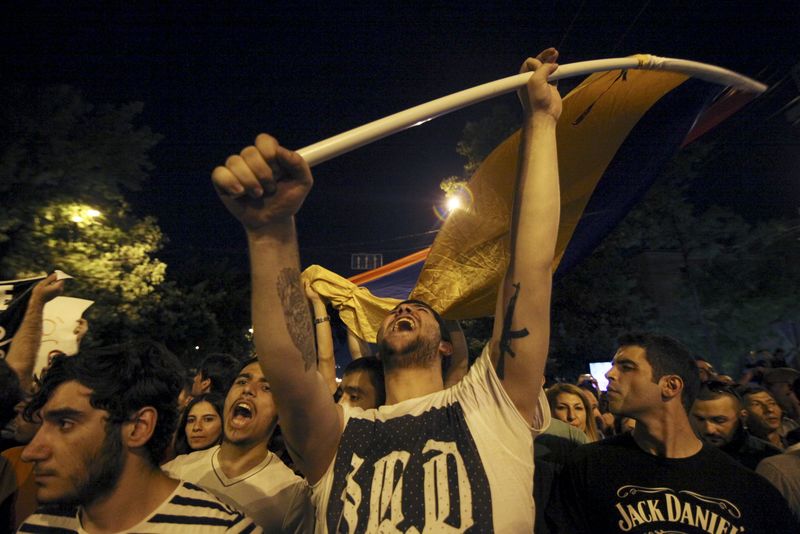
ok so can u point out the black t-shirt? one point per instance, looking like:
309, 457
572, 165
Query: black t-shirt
614, 486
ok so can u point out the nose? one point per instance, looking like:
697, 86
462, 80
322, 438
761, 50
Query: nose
197, 426
36, 450
248, 388
403, 309
570, 414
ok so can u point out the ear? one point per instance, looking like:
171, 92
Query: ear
671, 386
205, 385
445, 349
138, 431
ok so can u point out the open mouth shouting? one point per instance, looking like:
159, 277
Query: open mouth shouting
241, 414
404, 324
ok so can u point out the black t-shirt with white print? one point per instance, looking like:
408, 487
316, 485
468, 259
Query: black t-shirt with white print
614, 486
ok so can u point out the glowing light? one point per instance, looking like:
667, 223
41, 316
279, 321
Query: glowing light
458, 197
197, 347
250, 330
82, 214
453, 203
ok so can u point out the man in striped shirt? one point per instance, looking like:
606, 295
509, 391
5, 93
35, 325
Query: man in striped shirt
107, 417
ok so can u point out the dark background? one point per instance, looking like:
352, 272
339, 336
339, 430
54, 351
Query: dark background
212, 77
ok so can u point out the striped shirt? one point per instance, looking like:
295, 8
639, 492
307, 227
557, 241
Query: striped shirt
190, 508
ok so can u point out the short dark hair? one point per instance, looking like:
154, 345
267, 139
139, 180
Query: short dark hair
752, 389
445, 333
667, 356
10, 392
221, 369
215, 399
123, 379
374, 367
714, 389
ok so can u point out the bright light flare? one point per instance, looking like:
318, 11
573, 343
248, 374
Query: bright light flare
453, 203
92, 212
457, 198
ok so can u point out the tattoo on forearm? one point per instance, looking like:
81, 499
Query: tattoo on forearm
508, 334
295, 311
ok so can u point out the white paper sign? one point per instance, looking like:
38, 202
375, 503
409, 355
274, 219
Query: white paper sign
58, 329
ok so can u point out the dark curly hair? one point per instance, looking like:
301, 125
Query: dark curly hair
214, 399
123, 379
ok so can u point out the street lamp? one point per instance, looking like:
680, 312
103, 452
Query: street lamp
84, 214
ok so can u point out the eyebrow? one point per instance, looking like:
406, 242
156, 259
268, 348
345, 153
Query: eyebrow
62, 413
627, 361
353, 389
249, 376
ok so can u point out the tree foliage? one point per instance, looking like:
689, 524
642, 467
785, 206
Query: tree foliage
66, 168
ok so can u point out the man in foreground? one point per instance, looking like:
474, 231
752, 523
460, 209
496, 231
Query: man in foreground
107, 417
242, 471
429, 459
661, 477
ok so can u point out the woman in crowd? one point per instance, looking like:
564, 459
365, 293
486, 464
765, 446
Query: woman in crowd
568, 404
200, 426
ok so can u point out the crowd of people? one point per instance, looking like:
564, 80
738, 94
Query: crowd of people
122, 439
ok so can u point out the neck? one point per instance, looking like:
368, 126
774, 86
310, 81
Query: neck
141, 489
412, 382
236, 459
667, 434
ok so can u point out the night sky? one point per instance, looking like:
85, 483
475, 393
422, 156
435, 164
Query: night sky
212, 77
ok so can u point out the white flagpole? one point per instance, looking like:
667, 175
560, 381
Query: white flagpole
357, 137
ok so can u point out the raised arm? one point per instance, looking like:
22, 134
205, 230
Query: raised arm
28, 338
522, 321
459, 359
326, 359
264, 187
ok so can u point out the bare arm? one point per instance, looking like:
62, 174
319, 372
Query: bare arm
521, 333
459, 359
358, 347
28, 338
264, 187
326, 360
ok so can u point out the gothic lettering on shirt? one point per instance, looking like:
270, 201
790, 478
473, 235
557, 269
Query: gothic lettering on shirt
409, 474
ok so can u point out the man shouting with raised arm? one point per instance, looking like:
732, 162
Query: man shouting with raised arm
431, 459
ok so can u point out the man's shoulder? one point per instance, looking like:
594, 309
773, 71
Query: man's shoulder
754, 444
187, 509
191, 507
279, 474
192, 460
52, 519
620, 444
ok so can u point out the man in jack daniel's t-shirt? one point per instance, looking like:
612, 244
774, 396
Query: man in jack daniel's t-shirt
661, 478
